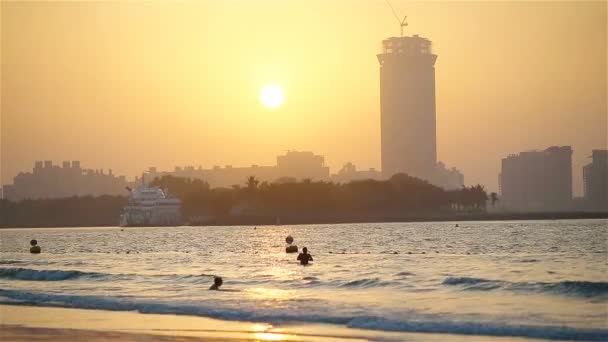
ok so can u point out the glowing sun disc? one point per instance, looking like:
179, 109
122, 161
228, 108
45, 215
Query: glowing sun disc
272, 96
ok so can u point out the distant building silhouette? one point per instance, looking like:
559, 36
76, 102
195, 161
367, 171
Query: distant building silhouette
302, 165
407, 105
294, 164
449, 179
595, 178
408, 118
350, 173
537, 180
50, 181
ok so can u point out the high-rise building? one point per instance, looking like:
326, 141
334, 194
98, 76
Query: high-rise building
407, 105
537, 180
595, 178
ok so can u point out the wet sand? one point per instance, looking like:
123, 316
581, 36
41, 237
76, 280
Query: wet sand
31, 323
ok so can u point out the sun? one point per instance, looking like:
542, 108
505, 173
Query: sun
272, 96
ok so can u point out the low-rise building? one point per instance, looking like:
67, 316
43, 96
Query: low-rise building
294, 164
349, 173
52, 181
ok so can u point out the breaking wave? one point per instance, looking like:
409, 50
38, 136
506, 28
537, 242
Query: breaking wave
417, 323
566, 287
43, 275
17, 273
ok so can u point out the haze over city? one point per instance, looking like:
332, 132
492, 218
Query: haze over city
130, 85
303, 170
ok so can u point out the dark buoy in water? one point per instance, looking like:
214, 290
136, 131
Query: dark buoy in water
35, 249
456, 225
291, 248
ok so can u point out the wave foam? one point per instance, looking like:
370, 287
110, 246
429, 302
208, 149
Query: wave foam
429, 324
480, 328
366, 283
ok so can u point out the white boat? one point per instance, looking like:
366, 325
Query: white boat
151, 206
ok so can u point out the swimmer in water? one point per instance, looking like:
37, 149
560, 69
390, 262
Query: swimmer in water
217, 282
304, 257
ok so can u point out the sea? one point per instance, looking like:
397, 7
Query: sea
530, 279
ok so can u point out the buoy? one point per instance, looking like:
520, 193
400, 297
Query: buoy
289, 239
35, 249
291, 249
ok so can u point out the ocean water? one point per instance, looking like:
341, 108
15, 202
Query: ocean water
534, 279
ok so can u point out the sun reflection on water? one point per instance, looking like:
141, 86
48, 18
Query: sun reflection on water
266, 332
269, 337
274, 294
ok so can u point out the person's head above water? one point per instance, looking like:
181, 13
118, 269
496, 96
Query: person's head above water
304, 250
33, 242
218, 281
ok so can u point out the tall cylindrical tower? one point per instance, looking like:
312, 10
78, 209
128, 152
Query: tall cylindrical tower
407, 106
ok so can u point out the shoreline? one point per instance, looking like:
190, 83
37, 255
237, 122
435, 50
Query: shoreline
27, 323
297, 220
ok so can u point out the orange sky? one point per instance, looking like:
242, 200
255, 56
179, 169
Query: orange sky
127, 85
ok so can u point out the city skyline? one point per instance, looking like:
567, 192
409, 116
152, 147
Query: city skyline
286, 170
153, 113
49, 180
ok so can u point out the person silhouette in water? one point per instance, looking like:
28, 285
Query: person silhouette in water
304, 257
217, 282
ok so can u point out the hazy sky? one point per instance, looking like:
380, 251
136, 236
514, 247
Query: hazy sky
127, 85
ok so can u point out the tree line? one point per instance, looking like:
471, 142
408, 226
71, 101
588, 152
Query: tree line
84, 211
401, 194
397, 198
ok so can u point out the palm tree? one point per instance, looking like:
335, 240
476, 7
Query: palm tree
252, 184
479, 196
494, 198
